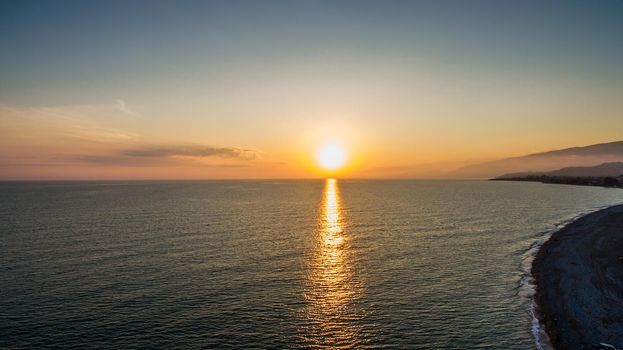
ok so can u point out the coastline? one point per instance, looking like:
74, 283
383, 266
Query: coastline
578, 273
598, 181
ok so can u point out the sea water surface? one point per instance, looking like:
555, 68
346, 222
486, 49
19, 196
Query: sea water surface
275, 264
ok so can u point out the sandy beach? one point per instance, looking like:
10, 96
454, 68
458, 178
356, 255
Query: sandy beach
579, 275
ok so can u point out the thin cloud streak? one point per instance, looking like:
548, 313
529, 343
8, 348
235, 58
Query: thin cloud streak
160, 155
193, 151
127, 161
85, 136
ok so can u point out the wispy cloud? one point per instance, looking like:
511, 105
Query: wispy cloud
84, 123
159, 155
128, 161
192, 151
124, 108
85, 135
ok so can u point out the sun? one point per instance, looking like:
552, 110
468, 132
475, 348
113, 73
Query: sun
331, 156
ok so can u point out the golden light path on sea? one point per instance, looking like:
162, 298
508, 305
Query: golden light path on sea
331, 288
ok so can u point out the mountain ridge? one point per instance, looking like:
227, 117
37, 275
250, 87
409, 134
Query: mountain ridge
580, 156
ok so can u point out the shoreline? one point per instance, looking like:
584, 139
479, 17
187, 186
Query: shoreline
578, 274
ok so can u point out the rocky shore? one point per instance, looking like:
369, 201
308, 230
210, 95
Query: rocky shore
579, 276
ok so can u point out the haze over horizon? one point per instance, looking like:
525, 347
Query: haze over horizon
190, 90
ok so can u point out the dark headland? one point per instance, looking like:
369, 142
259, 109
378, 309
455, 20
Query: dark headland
601, 181
579, 277
605, 175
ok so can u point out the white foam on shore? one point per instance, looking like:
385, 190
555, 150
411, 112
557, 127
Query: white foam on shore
527, 290
527, 284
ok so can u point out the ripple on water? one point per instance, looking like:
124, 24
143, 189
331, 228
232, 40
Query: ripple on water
280, 264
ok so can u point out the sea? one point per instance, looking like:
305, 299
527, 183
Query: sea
309, 264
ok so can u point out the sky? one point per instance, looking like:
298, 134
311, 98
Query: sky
253, 89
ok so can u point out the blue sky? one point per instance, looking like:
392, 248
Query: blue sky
54, 50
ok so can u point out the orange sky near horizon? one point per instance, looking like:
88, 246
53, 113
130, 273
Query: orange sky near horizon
75, 143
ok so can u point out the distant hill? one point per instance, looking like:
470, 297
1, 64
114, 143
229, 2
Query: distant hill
613, 169
587, 156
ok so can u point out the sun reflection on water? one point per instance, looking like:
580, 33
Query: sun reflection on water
331, 286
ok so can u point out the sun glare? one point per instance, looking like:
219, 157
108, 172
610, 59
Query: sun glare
331, 156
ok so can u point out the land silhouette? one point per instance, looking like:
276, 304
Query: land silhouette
550, 161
